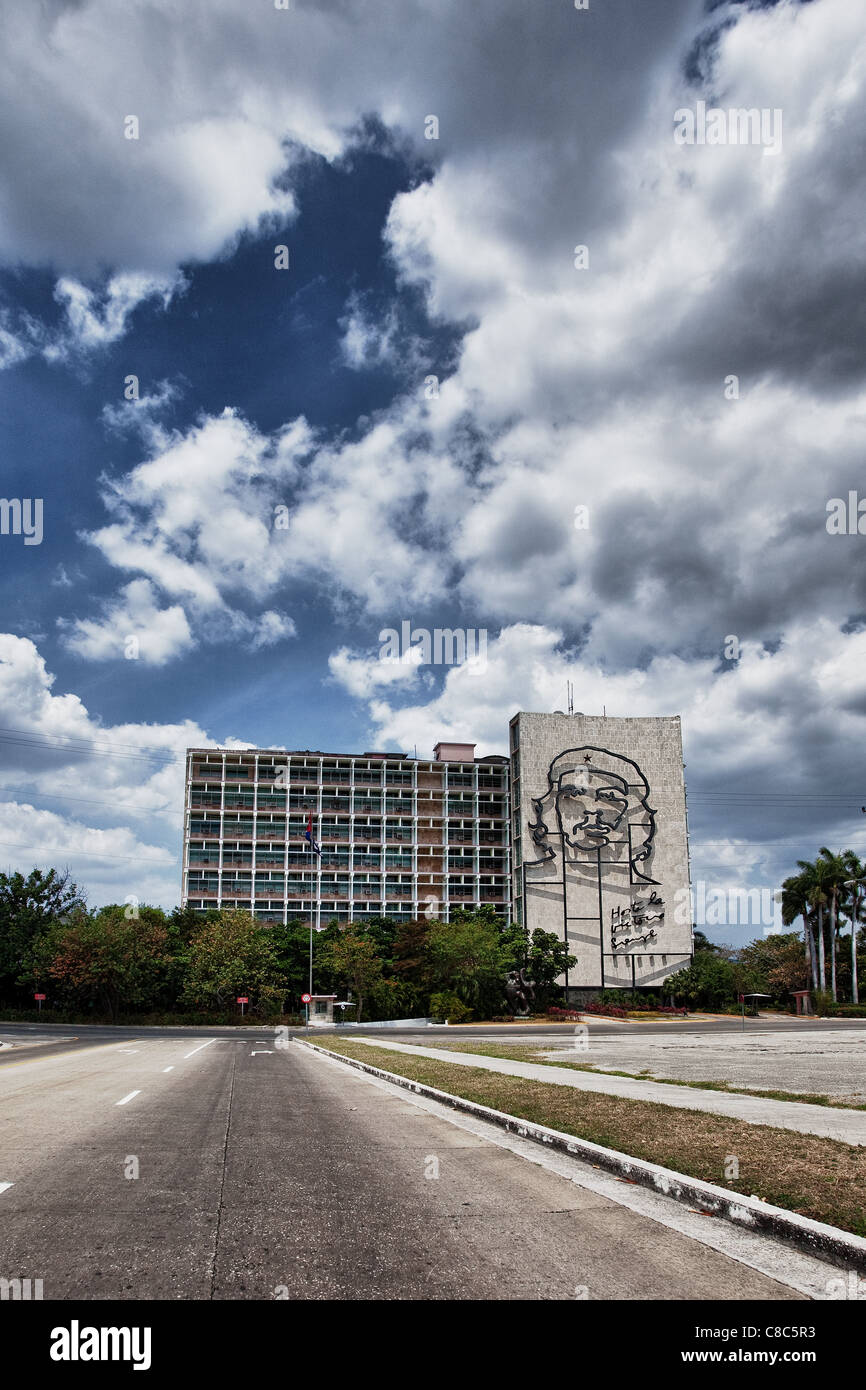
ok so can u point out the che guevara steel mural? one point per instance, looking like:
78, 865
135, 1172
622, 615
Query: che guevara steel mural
596, 816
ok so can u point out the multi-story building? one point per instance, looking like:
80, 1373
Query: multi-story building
400, 837
582, 832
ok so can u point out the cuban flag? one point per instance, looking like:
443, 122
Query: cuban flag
310, 837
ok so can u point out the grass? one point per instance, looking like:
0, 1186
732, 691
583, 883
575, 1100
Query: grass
824, 1179
532, 1054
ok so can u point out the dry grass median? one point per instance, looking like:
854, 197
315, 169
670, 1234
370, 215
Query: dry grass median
820, 1178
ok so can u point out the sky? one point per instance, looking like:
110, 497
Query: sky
321, 319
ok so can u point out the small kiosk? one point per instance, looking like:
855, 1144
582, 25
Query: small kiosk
321, 1008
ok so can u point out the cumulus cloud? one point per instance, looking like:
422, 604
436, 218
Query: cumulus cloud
360, 674
133, 627
767, 737
115, 792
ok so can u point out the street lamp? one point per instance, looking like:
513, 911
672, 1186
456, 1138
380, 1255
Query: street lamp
855, 917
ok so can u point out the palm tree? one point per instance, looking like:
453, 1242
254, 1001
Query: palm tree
795, 903
855, 885
816, 884
836, 874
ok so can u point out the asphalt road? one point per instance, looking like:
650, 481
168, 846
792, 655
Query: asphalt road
266, 1173
62, 1036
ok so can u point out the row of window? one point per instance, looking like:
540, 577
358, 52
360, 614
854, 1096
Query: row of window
339, 776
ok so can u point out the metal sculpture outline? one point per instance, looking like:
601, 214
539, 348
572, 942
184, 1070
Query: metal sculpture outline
621, 793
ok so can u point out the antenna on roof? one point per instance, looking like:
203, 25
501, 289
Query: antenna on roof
570, 690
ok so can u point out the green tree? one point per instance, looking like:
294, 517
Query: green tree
836, 873
355, 960
776, 966
230, 955
710, 982
545, 957
797, 902
855, 892
29, 908
468, 958
701, 942
116, 962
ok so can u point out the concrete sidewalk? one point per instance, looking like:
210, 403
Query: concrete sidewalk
847, 1125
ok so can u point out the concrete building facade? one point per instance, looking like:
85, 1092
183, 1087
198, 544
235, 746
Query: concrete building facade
581, 831
399, 836
600, 843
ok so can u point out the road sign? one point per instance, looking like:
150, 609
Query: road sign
242, 999
40, 996
305, 998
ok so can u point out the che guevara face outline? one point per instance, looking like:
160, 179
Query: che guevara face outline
589, 817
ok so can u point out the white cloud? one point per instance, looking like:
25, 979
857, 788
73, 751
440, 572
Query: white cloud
272, 627
94, 320
774, 730
114, 793
361, 674
134, 627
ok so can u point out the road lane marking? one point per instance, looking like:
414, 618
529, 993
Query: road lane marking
58, 1057
258, 1052
165, 1069
4, 1185
199, 1048
131, 1096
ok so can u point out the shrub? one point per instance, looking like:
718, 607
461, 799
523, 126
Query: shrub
450, 1007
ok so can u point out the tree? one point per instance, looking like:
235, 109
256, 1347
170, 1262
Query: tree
776, 965
117, 962
796, 903
835, 874
229, 955
355, 960
29, 907
855, 884
546, 960
468, 958
701, 942
410, 965
815, 886
710, 982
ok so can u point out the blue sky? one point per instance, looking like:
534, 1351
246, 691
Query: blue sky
604, 386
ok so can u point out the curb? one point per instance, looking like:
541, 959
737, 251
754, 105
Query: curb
814, 1237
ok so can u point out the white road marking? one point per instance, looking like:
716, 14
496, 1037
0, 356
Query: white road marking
129, 1050
4, 1185
258, 1052
199, 1048
131, 1096
165, 1069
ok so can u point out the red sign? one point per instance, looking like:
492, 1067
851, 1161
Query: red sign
305, 998
40, 996
242, 999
